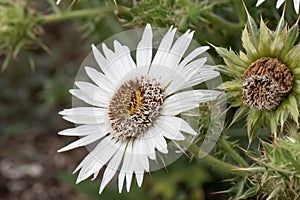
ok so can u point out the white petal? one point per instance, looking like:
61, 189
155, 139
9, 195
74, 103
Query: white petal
86, 98
296, 5
146, 147
157, 140
164, 47
205, 75
127, 165
84, 141
114, 68
98, 157
164, 128
93, 92
143, 158
139, 178
121, 181
178, 49
144, 48
259, 2
85, 119
279, 3
187, 100
100, 79
82, 130
182, 124
129, 176
111, 169
84, 111
124, 57
101, 61
192, 55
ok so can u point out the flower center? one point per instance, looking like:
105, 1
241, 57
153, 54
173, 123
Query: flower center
134, 106
266, 83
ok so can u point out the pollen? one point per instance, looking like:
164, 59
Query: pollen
266, 83
134, 107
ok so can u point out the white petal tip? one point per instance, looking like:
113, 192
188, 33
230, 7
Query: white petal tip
148, 26
59, 150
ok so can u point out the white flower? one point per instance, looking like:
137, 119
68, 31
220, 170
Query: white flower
135, 105
280, 2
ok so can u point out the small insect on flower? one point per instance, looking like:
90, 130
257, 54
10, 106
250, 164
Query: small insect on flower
280, 2
266, 84
135, 105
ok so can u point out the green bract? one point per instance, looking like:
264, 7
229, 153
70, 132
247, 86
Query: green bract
19, 29
276, 174
261, 44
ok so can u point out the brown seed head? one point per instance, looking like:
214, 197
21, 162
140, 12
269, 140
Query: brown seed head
266, 83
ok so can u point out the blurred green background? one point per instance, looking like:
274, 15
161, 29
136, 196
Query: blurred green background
34, 88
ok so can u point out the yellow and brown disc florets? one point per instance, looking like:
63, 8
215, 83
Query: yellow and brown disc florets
134, 106
266, 83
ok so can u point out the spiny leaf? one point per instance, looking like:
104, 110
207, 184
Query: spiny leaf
290, 39
253, 116
252, 29
293, 108
248, 45
264, 39
278, 43
239, 114
280, 26
230, 56
275, 192
292, 56
231, 85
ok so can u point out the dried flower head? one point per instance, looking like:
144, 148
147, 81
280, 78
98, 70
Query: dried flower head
266, 82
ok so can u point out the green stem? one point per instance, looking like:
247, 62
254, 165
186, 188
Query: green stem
222, 23
232, 153
216, 163
102, 12
239, 8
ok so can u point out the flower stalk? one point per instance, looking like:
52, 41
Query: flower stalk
84, 13
216, 163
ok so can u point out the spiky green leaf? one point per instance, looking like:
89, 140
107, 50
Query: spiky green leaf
231, 58
293, 108
250, 48
231, 85
264, 40
253, 116
293, 56
290, 39
252, 29
239, 114
278, 43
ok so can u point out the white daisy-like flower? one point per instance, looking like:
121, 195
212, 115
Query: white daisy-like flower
134, 106
280, 2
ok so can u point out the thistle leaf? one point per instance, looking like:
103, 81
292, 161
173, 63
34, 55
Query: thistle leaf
264, 39
235, 85
292, 57
252, 119
252, 29
231, 58
278, 43
248, 45
239, 114
290, 39
293, 108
